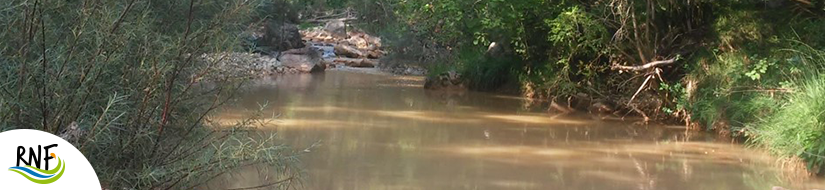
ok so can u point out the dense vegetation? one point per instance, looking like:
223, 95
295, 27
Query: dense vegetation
123, 82
745, 68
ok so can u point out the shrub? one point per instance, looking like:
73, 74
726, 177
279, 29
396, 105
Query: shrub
483, 72
128, 75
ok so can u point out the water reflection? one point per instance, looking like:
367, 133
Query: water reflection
385, 132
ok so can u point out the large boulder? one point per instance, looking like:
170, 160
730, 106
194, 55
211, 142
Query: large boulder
304, 60
337, 28
348, 51
280, 36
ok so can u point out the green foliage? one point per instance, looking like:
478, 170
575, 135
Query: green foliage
129, 75
759, 68
278, 10
678, 91
485, 73
740, 25
406, 47
728, 91
577, 32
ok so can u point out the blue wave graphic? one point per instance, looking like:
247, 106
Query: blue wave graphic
31, 172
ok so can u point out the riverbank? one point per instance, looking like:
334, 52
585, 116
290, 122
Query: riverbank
739, 68
729, 66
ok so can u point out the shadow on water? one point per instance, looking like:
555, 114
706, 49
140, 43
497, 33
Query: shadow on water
386, 132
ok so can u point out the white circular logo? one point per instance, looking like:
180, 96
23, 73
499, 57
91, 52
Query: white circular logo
38, 160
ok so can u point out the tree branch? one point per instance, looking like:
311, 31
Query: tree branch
643, 67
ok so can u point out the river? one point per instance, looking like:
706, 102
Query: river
386, 132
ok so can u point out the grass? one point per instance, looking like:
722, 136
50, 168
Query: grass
797, 128
776, 101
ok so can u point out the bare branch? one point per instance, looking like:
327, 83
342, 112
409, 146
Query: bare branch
640, 89
643, 67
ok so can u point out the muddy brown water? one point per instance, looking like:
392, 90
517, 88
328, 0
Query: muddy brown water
386, 132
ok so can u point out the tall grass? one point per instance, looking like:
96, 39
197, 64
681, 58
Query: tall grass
128, 75
776, 101
797, 129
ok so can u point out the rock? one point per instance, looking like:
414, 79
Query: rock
450, 80
453, 76
348, 51
302, 63
280, 36
236, 64
601, 107
359, 42
337, 28
328, 62
355, 44
305, 60
373, 40
326, 50
251, 38
357, 62
556, 107
579, 101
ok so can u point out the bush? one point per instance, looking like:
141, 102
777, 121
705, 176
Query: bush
483, 72
128, 75
728, 92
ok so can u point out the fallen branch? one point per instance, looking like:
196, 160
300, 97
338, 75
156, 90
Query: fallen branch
640, 89
643, 67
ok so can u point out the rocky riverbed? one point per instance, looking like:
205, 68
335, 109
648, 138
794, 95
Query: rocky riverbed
275, 51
